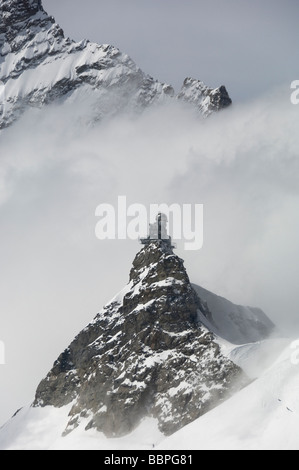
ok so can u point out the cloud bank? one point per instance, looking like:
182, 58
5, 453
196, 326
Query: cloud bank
56, 168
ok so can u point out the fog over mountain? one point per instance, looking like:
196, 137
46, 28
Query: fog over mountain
58, 164
57, 273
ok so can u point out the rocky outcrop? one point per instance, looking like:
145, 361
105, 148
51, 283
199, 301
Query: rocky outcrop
144, 354
38, 65
20, 21
206, 100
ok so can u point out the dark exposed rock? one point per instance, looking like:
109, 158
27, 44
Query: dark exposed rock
145, 354
206, 99
20, 21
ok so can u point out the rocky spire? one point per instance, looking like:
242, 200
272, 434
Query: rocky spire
144, 354
206, 100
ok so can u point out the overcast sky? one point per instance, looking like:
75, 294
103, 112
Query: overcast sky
247, 45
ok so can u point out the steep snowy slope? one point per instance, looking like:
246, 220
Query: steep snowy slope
264, 415
38, 65
235, 323
42, 429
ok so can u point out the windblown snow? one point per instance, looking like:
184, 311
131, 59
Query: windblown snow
263, 416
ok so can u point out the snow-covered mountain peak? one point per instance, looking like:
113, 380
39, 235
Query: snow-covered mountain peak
207, 100
38, 65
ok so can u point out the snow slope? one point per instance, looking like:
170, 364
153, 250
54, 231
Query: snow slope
41, 429
264, 415
235, 323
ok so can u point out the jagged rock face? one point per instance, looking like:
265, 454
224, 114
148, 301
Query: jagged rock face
205, 99
19, 20
145, 354
38, 65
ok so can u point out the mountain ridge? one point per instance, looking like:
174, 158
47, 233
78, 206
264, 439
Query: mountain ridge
234, 323
38, 66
